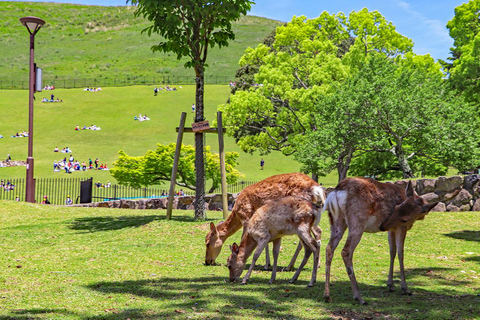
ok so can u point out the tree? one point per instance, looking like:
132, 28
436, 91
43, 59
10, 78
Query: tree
156, 166
392, 117
189, 29
465, 67
307, 58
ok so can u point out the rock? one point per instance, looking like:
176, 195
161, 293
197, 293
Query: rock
452, 208
462, 198
424, 186
470, 182
476, 205
431, 197
440, 207
448, 184
450, 196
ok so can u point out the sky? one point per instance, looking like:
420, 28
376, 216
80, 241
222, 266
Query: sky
423, 21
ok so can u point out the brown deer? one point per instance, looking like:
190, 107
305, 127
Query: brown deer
276, 219
252, 198
366, 205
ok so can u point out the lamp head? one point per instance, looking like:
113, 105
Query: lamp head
33, 24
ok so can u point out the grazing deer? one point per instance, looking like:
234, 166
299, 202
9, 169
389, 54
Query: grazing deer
255, 196
276, 219
365, 205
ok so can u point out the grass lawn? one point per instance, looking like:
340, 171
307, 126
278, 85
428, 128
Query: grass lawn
93, 263
113, 109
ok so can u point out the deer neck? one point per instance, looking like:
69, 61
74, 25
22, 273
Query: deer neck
229, 227
246, 248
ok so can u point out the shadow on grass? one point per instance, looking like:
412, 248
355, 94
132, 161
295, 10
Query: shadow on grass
109, 223
467, 235
35, 313
215, 297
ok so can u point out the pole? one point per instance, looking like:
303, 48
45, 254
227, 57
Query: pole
223, 172
30, 187
175, 166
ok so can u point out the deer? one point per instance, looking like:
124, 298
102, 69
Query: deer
252, 198
366, 205
274, 220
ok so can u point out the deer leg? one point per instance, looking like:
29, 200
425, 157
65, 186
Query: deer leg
393, 253
400, 239
307, 254
294, 258
337, 229
275, 251
261, 244
347, 254
313, 246
267, 258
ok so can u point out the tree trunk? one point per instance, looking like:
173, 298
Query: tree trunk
200, 213
343, 163
404, 166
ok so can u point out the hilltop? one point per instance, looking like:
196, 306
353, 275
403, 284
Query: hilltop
80, 41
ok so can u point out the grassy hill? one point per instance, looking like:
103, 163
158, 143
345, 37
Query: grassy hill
113, 109
81, 41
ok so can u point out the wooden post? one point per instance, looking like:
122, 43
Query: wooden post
222, 165
175, 166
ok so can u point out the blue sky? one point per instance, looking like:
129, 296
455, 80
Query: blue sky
423, 21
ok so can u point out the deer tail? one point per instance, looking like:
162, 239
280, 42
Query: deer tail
318, 194
334, 203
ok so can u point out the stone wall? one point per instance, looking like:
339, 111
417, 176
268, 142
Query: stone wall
457, 193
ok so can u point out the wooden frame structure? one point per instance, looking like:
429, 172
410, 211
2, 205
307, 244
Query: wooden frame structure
220, 131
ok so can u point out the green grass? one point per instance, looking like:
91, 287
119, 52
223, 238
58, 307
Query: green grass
113, 110
81, 41
93, 263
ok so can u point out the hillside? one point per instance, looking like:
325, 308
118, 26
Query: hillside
81, 41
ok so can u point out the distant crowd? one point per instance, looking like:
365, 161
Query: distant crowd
92, 89
71, 165
92, 127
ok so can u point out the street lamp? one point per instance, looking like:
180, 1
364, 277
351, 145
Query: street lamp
33, 24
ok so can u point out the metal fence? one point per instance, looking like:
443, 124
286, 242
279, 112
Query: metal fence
113, 82
57, 190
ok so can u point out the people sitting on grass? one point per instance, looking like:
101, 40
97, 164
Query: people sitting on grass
71, 165
141, 118
7, 186
93, 127
56, 149
20, 134
45, 200
68, 201
47, 87
66, 150
92, 89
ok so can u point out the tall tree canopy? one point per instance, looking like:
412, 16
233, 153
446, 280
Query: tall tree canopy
392, 119
188, 29
465, 68
307, 57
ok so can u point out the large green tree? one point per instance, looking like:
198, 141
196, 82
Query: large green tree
156, 166
188, 29
307, 57
394, 115
464, 68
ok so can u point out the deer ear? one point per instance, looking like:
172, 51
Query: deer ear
213, 228
428, 207
234, 248
409, 189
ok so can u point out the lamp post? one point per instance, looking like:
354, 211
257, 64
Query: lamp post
32, 24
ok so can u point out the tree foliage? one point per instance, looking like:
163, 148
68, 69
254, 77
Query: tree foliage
465, 67
306, 59
390, 120
156, 166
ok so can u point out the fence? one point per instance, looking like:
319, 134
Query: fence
57, 190
113, 82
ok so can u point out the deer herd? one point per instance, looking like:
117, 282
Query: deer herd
292, 204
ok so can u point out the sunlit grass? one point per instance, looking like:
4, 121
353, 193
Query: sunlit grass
85, 263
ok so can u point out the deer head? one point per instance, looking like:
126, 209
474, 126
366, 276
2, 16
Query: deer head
413, 208
235, 266
213, 244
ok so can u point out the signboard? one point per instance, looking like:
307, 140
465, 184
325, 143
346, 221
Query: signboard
200, 126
